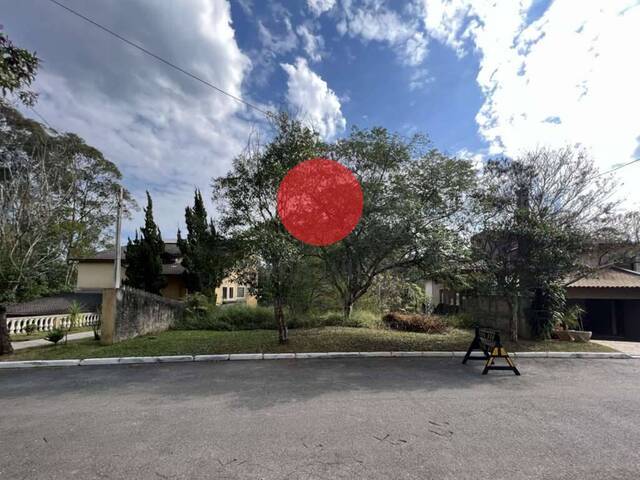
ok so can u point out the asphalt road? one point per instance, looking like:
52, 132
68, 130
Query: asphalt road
322, 419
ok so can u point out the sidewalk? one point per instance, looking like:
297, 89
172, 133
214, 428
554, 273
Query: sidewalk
42, 343
632, 348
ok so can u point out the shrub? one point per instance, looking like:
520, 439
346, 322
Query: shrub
445, 309
415, 322
55, 335
364, 319
199, 316
30, 328
229, 317
461, 320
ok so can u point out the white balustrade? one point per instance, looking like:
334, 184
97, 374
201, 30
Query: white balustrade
17, 325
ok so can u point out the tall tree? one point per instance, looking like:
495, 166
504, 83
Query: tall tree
144, 255
18, 68
537, 217
206, 255
247, 200
57, 200
413, 195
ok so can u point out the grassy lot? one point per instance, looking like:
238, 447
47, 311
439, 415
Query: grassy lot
39, 335
326, 339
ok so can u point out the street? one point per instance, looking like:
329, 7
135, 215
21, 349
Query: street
378, 418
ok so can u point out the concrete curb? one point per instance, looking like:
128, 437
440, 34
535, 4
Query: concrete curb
290, 356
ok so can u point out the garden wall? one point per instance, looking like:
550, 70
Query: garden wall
493, 311
128, 312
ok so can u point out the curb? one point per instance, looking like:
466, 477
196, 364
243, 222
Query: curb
289, 356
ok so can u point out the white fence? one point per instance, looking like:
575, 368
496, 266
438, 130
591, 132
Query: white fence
17, 325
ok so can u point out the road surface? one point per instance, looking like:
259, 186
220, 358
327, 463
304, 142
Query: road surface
378, 418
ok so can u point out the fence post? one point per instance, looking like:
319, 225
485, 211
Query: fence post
108, 316
5, 341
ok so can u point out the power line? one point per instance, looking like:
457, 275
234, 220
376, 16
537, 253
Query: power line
159, 58
618, 167
41, 117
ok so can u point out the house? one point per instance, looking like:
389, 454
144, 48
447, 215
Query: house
610, 298
97, 272
609, 295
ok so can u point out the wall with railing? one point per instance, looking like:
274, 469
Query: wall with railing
18, 325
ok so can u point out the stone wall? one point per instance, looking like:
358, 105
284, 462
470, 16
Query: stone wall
492, 311
128, 313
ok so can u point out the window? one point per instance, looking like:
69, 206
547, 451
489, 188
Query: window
230, 292
240, 292
224, 293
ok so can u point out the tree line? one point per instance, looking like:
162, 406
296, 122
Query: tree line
517, 227
57, 194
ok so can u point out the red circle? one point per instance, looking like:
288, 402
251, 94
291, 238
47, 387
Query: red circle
320, 201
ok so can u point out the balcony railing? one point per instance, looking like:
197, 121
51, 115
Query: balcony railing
17, 325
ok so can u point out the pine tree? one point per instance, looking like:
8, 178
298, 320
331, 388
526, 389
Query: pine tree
144, 255
206, 255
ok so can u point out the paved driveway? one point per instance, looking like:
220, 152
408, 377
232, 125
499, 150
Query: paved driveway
632, 348
323, 419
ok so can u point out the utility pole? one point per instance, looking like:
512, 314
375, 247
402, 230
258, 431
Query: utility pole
118, 259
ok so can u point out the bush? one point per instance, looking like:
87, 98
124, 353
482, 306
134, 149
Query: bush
30, 328
229, 317
461, 320
445, 309
364, 319
415, 322
55, 335
202, 316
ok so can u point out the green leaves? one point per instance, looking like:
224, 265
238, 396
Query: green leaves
17, 71
206, 255
58, 202
144, 255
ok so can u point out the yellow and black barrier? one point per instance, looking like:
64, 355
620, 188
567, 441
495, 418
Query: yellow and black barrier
488, 342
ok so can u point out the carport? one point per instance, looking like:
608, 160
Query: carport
611, 300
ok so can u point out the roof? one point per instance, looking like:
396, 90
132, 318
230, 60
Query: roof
170, 248
56, 304
172, 269
609, 277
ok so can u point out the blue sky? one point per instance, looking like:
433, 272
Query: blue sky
480, 78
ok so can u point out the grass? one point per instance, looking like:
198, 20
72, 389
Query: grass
39, 335
326, 339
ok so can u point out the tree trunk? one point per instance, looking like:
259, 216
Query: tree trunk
278, 313
5, 341
513, 323
347, 308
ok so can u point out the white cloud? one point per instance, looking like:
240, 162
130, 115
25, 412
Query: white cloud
371, 20
310, 96
568, 77
313, 44
476, 158
278, 44
318, 7
166, 132
419, 78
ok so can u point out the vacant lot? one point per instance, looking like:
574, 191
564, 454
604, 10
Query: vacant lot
327, 339
323, 419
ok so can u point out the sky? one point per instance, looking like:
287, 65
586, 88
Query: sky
480, 78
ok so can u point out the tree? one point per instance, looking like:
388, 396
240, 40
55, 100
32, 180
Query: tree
144, 255
18, 69
537, 217
247, 200
412, 196
5, 340
206, 255
58, 202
